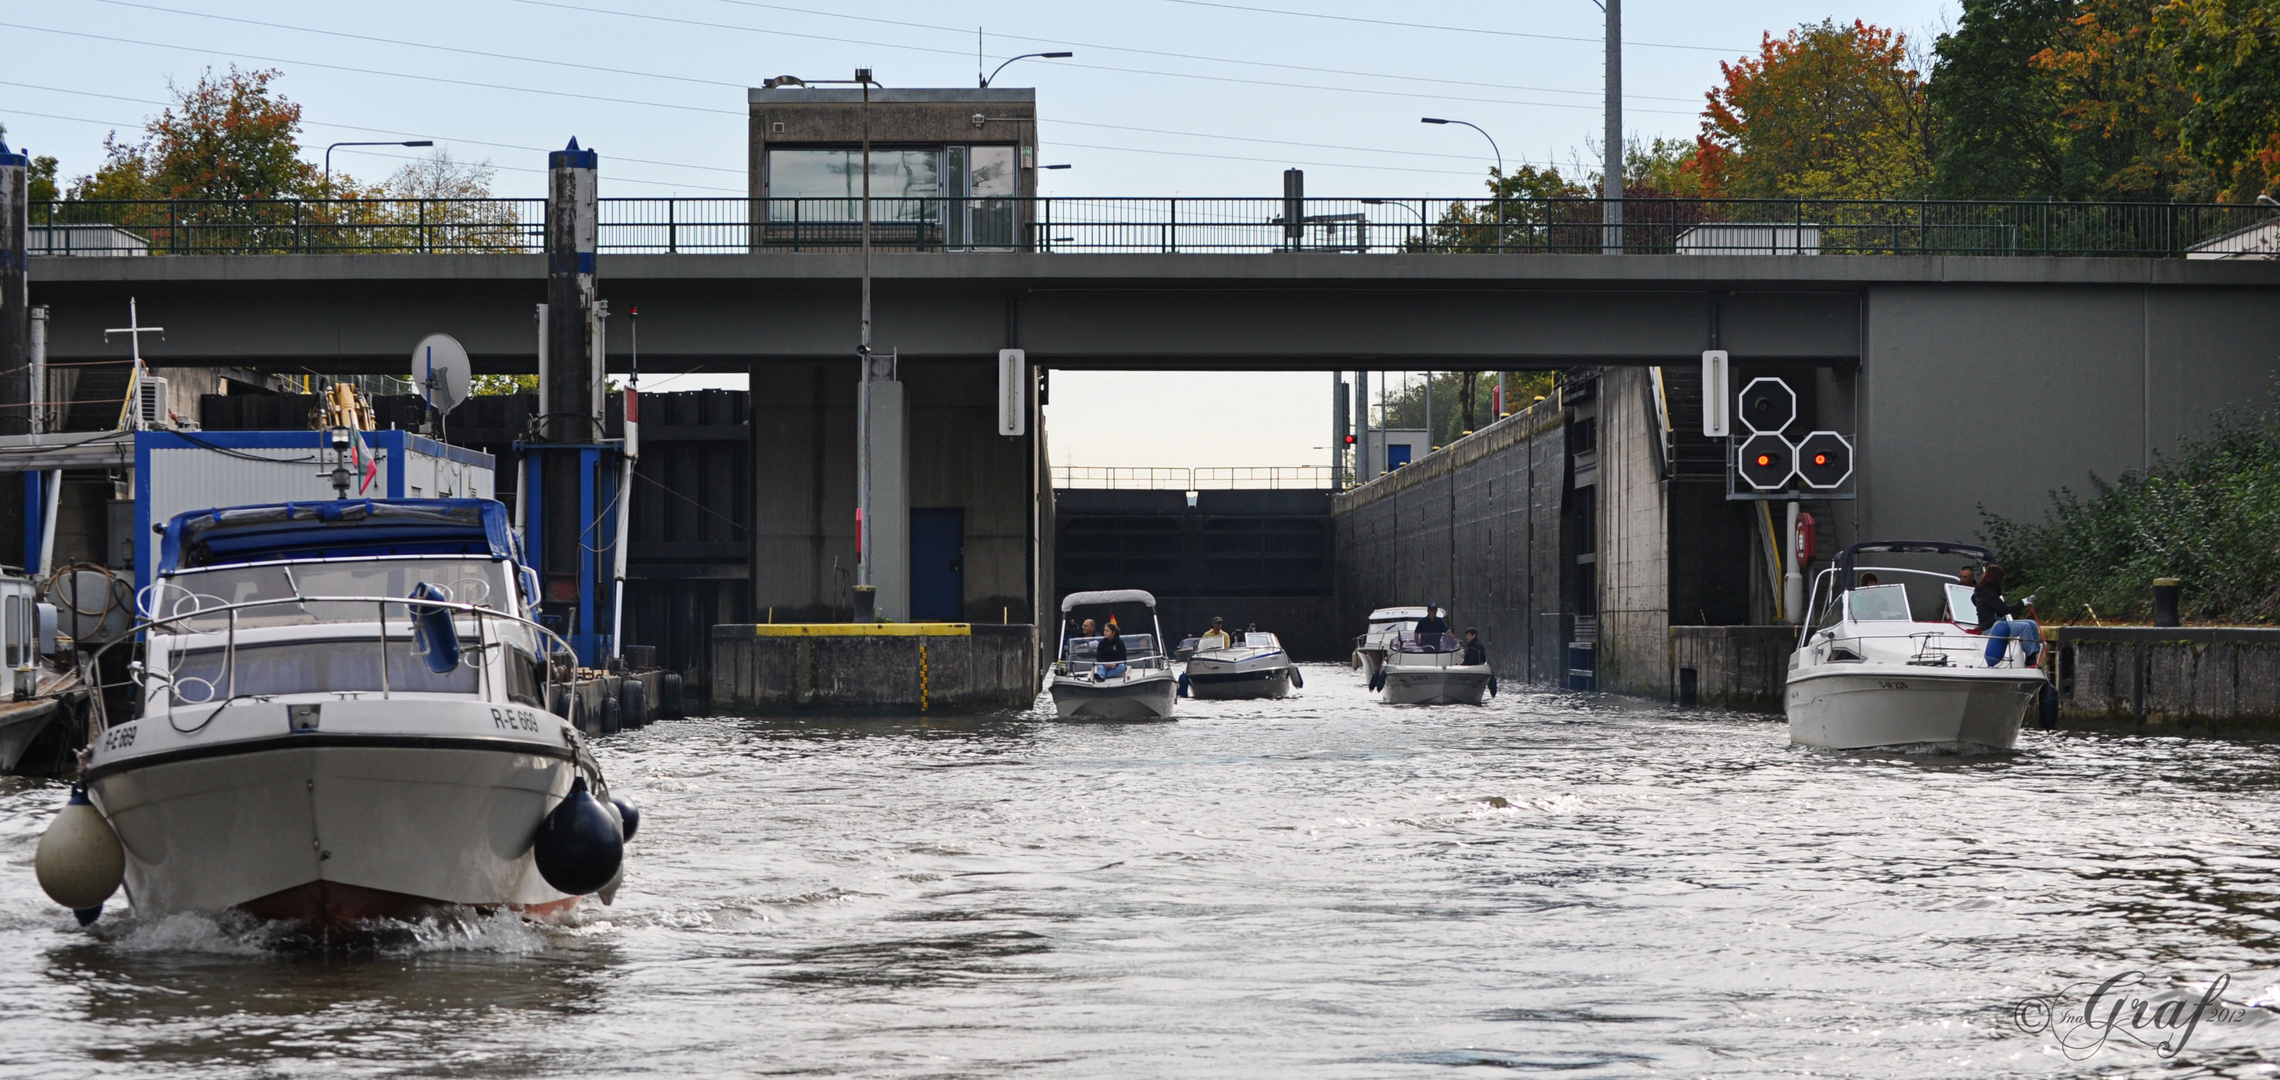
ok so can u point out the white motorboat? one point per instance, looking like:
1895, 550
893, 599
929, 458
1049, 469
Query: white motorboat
348, 712
1386, 626
1254, 667
1897, 664
1431, 671
1142, 687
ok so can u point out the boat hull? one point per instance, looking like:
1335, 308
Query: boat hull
19, 726
1957, 712
1260, 674
1143, 697
1370, 659
293, 828
1456, 685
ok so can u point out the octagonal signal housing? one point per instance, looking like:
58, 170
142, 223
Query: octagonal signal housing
1767, 405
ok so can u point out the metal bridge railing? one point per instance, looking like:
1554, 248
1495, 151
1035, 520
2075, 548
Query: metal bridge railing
1160, 478
1382, 226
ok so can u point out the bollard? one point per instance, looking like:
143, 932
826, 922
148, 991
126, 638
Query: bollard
2165, 591
866, 603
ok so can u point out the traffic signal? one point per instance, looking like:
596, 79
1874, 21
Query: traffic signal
1766, 461
1768, 406
1824, 460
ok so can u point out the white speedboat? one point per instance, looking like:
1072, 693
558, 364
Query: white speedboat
1896, 665
1431, 671
1142, 687
1387, 625
347, 712
1254, 667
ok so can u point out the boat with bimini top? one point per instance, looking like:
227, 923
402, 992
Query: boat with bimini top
1134, 681
342, 710
1891, 658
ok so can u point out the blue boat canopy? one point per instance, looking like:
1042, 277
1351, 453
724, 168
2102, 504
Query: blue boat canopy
340, 528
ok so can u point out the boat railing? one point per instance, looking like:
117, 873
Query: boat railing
1428, 643
1068, 667
1940, 648
558, 658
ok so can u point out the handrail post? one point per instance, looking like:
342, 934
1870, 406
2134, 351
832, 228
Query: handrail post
672, 232
382, 604
229, 657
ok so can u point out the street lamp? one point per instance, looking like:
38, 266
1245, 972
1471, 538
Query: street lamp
1476, 127
329, 150
1499, 188
1026, 56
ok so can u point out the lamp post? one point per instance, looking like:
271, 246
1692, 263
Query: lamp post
1476, 127
1025, 56
1422, 225
329, 150
1499, 187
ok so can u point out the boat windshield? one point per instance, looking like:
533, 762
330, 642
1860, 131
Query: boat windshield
350, 665
1878, 603
1257, 640
1429, 643
1135, 647
481, 582
1961, 610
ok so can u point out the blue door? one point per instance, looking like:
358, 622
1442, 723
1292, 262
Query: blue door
1396, 455
938, 564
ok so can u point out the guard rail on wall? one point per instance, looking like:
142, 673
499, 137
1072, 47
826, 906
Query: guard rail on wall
94, 227
1144, 478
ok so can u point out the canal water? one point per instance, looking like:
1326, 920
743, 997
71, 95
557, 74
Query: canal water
1319, 886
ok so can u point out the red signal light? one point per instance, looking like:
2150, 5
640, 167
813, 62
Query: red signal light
1820, 459
1765, 459
1349, 440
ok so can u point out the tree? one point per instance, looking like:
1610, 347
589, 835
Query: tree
40, 177
227, 137
2121, 106
1828, 111
2227, 56
497, 385
1998, 131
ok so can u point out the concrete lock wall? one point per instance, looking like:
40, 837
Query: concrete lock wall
906, 668
1731, 667
2167, 680
1475, 527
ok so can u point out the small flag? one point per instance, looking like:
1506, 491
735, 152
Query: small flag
362, 455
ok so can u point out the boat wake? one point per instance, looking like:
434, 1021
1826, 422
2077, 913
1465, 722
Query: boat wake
235, 933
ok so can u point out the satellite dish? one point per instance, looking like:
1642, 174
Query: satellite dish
439, 369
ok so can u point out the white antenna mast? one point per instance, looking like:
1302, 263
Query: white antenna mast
129, 416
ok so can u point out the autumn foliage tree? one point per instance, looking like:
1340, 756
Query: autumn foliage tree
2227, 56
1827, 111
226, 137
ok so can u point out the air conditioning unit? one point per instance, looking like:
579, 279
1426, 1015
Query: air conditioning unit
150, 403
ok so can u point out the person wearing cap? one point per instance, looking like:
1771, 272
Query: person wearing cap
1432, 627
1215, 638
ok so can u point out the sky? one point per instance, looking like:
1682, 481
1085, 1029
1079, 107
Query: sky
1163, 97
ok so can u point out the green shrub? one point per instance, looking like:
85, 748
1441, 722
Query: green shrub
2208, 514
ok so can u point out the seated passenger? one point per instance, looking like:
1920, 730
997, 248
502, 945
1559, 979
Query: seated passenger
1996, 623
1476, 653
1109, 657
